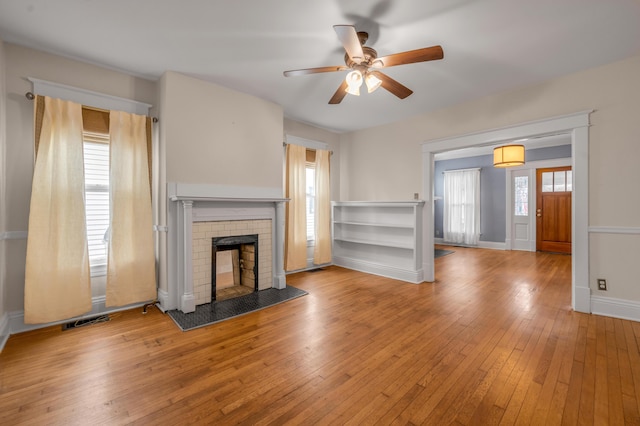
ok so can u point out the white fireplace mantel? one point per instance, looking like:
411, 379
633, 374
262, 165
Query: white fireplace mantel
188, 203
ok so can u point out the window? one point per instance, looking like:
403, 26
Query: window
311, 200
307, 186
462, 206
96, 175
560, 181
521, 196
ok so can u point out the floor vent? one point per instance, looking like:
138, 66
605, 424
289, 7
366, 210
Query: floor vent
84, 322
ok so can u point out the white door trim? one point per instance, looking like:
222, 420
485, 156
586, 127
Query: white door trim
577, 125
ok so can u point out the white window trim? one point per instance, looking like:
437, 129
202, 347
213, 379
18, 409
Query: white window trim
307, 143
88, 97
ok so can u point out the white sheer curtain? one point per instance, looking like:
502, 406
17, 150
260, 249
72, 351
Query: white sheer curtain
462, 206
57, 277
322, 247
295, 246
131, 259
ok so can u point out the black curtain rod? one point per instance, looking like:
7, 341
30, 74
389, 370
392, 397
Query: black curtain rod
31, 96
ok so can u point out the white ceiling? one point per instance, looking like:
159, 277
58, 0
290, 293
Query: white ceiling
489, 45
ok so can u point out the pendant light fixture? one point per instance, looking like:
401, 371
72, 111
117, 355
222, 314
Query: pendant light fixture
508, 156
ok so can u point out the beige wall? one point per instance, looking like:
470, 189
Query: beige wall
215, 135
21, 63
613, 91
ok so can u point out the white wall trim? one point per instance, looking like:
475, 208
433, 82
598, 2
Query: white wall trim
88, 97
5, 330
616, 308
548, 126
13, 235
307, 143
163, 299
577, 125
629, 230
413, 277
211, 192
17, 324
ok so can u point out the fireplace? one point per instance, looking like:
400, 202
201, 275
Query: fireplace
234, 265
196, 214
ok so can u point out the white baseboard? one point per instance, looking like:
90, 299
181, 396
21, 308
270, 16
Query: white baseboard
17, 325
163, 301
280, 281
481, 244
4, 330
310, 267
582, 299
410, 276
616, 308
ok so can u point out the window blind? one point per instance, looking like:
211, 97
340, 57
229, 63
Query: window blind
96, 164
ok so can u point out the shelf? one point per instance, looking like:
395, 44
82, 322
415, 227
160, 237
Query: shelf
379, 237
376, 243
382, 204
380, 225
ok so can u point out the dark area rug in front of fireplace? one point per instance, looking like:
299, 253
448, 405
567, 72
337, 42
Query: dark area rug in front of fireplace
212, 313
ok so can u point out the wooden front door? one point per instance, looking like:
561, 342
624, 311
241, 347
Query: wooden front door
553, 209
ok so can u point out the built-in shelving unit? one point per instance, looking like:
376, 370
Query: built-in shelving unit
382, 238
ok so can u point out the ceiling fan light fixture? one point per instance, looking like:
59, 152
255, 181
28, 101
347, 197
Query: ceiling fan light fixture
354, 81
508, 156
372, 82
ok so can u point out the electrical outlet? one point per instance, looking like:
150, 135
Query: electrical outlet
602, 284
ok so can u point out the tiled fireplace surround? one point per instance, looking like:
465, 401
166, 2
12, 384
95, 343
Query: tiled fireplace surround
202, 235
196, 214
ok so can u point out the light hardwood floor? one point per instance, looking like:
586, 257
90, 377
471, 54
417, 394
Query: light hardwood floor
492, 341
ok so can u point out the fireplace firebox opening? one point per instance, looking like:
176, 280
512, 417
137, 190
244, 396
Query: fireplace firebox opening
234, 265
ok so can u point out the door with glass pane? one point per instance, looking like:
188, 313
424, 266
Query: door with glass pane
522, 237
553, 209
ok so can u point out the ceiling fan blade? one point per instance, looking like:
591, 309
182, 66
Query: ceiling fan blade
419, 55
340, 94
306, 71
392, 85
349, 39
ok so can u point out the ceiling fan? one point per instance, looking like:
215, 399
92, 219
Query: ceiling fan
364, 65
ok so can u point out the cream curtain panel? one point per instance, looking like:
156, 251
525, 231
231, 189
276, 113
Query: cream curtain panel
295, 245
131, 260
322, 248
461, 213
57, 276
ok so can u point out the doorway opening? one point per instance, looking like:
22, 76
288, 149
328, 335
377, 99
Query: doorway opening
577, 125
